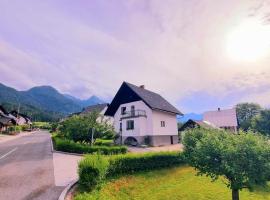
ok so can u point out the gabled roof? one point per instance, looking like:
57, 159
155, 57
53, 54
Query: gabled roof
96, 108
130, 93
6, 120
3, 110
193, 123
16, 114
221, 118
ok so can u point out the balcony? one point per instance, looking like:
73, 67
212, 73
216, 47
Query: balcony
134, 113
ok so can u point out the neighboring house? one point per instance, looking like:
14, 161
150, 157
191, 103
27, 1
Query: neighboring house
196, 123
5, 122
101, 109
143, 117
21, 119
225, 119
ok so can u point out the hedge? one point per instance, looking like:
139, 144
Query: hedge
70, 146
123, 165
103, 142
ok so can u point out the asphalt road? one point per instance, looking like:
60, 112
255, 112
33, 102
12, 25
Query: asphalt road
26, 169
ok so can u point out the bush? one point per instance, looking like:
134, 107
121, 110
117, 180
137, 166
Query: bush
42, 125
91, 173
131, 163
102, 142
74, 147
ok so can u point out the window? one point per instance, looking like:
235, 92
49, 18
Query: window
130, 124
132, 110
162, 123
123, 110
120, 126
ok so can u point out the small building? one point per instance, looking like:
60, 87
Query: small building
5, 122
196, 123
101, 109
143, 117
21, 119
225, 119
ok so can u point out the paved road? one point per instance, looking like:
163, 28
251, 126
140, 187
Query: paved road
26, 169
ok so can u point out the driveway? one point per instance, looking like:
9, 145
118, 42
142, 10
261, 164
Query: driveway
26, 168
175, 147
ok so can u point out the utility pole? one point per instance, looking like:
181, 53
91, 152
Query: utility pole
92, 137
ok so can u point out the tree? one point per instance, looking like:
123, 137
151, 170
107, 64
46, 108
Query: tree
243, 159
261, 123
245, 112
81, 128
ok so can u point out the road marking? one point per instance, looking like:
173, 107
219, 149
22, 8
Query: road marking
3, 156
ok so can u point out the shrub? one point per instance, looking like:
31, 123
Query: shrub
131, 163
102, 142
92, 171
42, 125
74, 147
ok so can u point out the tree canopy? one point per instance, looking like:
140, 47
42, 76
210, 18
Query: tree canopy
245, 113
261, 122
243, 159
81, 128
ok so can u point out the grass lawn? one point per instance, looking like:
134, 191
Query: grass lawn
179, 183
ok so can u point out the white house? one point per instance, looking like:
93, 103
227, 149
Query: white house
143, 117
101, 109
225, 119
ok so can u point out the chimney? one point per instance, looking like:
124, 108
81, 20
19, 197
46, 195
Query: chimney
142, 86
218, 109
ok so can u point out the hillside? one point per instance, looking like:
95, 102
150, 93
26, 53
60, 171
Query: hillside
43, 102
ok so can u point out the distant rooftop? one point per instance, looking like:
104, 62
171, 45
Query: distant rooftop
221, 118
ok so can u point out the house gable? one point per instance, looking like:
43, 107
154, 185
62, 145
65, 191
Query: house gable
129, 93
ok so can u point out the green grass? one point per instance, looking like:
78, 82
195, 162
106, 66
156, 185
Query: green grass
179, 183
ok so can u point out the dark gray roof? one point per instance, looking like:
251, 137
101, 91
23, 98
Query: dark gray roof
129, 93
6, 120
96, 108
153, 100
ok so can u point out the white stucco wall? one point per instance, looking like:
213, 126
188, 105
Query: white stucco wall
170, 123
142, 125
108, 119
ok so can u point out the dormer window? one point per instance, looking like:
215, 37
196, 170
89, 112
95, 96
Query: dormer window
123, 110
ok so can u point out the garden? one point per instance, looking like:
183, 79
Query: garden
214, 165
85, 134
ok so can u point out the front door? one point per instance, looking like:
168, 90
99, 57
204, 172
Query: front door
171, 139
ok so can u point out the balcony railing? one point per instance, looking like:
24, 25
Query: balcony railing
134, 113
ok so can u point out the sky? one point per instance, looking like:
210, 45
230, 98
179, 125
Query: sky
198, 54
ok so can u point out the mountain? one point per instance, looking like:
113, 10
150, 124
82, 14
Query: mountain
43, 102
188, 116
87, 102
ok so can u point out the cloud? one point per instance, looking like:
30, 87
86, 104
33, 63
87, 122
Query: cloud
175, 48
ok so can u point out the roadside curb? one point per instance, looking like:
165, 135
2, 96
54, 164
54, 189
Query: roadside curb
67, 189
63, 152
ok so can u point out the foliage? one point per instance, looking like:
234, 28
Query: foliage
62, 144
92, 171
261, 123
36, 114
80, 128
178, 183
42, 125
104, 142
25, 127
245, 113
126, 164
132, 163
243, 159
14, 129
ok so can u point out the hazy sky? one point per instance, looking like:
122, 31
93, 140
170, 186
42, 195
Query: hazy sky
195, 53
